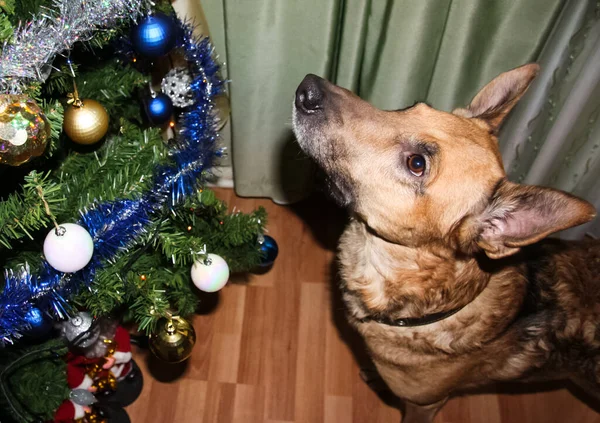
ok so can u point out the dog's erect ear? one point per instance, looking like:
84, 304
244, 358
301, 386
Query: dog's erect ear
497, 98
520, 215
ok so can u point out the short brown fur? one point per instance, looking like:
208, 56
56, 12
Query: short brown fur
459, 235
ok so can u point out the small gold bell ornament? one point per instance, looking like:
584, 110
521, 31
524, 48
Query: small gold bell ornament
173, 340
24, 129
85, 120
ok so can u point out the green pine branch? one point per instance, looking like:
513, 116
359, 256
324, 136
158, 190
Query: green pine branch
157, 281
33, 381
23, 213
103, 38
30, 254
7, 6
186, 235
23, 10
60, 82
150, 279
113, 85
180, 247
54, 113
121, 169
33, 91
149, 287
6, 28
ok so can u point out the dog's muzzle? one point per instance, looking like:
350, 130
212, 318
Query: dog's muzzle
312, 106
309, 113
310, 94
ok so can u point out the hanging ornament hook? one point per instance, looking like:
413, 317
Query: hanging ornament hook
73, 98
152, 90
60, 230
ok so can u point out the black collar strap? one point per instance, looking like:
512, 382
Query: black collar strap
412, 321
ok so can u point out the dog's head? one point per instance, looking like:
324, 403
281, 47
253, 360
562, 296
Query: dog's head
420, 175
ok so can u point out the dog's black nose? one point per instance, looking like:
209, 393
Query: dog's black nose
309, 95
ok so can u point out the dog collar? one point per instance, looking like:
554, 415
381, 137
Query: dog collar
412, 321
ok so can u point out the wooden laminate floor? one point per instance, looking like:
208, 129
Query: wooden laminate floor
275, 348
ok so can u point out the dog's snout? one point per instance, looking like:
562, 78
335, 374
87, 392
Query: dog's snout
309, 95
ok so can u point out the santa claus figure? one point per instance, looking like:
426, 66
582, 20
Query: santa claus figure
100, 346
80, 401
77, 378
69, 411
119, 363
99, 358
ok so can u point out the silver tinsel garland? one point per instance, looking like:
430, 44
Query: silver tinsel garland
28, 56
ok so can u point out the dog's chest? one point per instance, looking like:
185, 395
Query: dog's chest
538, 315
411, 363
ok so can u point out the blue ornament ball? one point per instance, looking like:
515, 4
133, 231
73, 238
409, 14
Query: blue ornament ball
154, 36
39, 324
159, 109
269, 248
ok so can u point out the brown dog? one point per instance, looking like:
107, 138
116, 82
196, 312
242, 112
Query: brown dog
445, 273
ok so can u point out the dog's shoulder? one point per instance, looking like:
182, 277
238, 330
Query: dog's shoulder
564, 273
563, 294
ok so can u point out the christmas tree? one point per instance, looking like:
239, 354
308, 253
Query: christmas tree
103, 205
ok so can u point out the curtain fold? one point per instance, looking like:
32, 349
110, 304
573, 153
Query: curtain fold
391, 52
271, 45
396, 52
552, 137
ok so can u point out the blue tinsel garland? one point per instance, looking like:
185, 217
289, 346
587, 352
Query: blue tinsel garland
116, 226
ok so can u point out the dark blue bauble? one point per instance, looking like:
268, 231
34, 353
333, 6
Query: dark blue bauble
154, 36
40, 324
270, 250
159, 109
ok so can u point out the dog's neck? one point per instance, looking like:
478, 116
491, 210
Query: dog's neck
387, 279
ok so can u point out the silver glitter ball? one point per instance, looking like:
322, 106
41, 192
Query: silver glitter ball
82, 397
176, 84
79, 330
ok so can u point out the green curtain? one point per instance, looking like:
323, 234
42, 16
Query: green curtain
553, 136
391, 52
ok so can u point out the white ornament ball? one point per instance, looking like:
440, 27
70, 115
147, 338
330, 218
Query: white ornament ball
68, 248
210, 274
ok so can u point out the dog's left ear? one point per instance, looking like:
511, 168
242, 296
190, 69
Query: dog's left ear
520, 215
497, 98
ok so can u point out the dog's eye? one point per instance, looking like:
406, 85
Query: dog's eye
416, 164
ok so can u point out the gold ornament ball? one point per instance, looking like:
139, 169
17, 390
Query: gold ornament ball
173, 340
24, 129
86, 124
